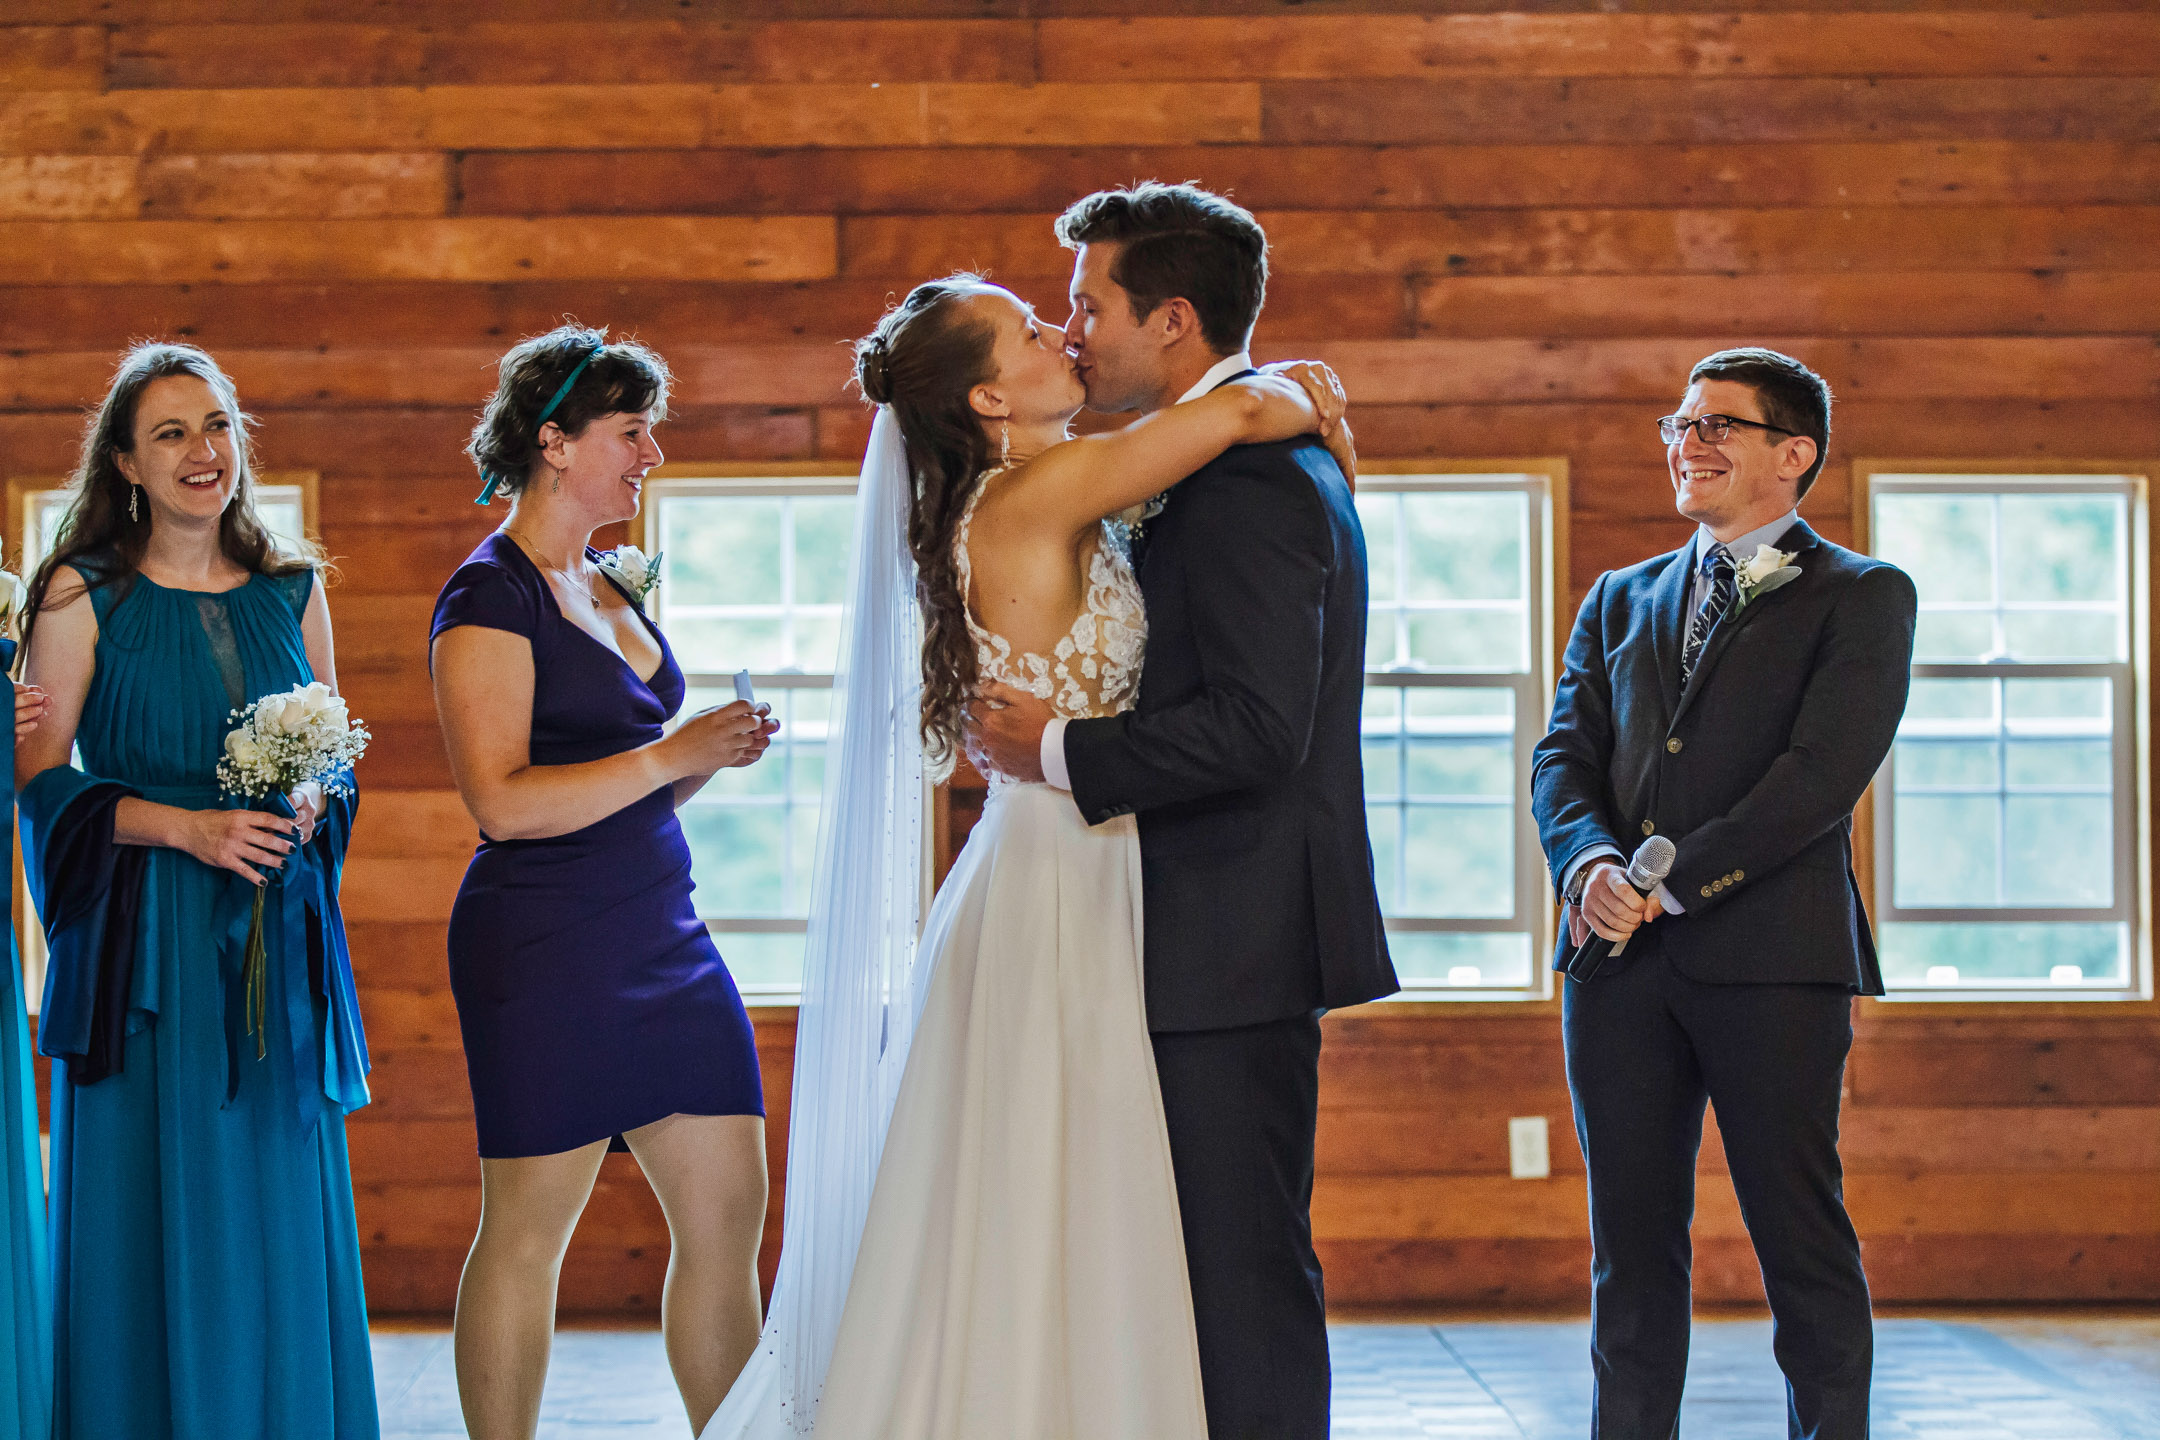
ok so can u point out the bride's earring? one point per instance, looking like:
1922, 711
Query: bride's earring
555, 485
134, 502
1004, 443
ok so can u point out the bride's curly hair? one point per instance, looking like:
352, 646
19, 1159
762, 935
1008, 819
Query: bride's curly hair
923, 358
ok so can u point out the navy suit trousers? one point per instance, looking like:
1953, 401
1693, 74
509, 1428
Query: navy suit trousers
1646, 1048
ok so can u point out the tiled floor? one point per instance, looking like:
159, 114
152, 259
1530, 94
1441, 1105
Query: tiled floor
2050, 1376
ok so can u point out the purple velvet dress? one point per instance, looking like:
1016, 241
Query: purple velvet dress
590, 995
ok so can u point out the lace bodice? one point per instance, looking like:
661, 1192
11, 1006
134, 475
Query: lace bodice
1095, 669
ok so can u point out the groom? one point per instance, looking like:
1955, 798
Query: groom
1737, 704
1241, 759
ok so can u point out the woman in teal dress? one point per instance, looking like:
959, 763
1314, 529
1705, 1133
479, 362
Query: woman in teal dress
25, 1263
206, 1261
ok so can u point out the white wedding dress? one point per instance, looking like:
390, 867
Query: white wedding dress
1021, 1274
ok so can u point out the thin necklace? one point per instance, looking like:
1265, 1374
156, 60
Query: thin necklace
578, 582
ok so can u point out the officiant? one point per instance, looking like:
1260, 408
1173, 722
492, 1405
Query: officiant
1735, 696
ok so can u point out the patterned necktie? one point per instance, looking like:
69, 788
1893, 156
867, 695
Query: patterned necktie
1724, 589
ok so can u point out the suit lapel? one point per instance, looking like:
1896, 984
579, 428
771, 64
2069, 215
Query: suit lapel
1668, 621
1799, 540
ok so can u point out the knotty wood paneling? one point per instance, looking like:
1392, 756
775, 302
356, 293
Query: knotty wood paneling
247, 251
1511, 230
1317, 177
1466, 46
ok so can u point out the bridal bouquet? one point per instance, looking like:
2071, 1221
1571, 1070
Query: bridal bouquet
280, 742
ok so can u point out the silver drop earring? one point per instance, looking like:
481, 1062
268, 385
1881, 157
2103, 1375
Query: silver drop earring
1004, 443
555, 485
134, 501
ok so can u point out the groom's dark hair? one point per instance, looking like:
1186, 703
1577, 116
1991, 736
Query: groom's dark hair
1792, 396
1179, 241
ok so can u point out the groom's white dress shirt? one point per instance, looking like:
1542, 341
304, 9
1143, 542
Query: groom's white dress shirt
1053, 739
1741, 549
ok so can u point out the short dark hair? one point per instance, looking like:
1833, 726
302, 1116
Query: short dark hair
623, 378
1792, 396
1179, 242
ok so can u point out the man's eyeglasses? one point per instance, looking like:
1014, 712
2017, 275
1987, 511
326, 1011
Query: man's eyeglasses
1710, 429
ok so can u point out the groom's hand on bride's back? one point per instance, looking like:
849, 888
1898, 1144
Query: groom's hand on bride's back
1004, 732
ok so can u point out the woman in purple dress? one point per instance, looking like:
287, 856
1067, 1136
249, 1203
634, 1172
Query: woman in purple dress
593, 1004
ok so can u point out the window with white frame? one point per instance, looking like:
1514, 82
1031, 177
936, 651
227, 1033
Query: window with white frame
1458, 682
754, 571
281, 505
2009, 852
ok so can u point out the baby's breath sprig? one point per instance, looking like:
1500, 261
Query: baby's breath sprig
276, 744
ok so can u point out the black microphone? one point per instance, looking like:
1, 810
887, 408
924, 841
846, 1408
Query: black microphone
1652, 863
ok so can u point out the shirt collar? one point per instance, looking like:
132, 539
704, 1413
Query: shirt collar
1745, 546
1220, 371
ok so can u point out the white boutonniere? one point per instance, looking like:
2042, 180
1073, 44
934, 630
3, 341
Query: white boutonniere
1766, 570
628, 567
12, 598
1134, 518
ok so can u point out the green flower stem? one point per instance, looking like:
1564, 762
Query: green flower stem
258, 968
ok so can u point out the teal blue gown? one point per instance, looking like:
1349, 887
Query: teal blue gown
206, 1259
25, 1263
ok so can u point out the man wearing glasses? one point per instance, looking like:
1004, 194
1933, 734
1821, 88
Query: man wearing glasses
1734, 696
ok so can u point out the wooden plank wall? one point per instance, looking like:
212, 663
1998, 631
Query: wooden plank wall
1512, 233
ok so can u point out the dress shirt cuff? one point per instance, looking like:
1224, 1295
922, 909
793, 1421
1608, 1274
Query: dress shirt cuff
1582, 862
1665, 898
1055, 772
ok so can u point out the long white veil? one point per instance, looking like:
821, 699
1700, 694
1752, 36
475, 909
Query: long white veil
858, 1015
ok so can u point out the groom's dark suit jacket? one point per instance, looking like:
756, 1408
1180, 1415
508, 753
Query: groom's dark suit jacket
1242, 754
1752, 771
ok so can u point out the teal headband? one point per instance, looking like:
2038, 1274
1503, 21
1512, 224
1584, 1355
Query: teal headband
487, 491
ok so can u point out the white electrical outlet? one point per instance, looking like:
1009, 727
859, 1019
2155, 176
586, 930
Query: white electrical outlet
1529, 1150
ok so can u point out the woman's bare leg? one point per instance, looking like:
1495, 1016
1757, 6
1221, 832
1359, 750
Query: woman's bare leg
709, 1172
506, 1299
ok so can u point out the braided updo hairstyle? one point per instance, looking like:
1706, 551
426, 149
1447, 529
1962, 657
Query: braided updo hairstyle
624, 378
923, 358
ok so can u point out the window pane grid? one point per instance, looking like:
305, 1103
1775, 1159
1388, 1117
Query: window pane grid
2007, 851
753, 578
1451, 702
2058, 593
750, 581
1450, 581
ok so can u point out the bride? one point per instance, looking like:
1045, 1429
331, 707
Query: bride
1013, 1269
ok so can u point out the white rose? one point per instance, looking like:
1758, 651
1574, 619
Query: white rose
283, 715
1763, 564
636, 571
317, 697
324, 726
242, 748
